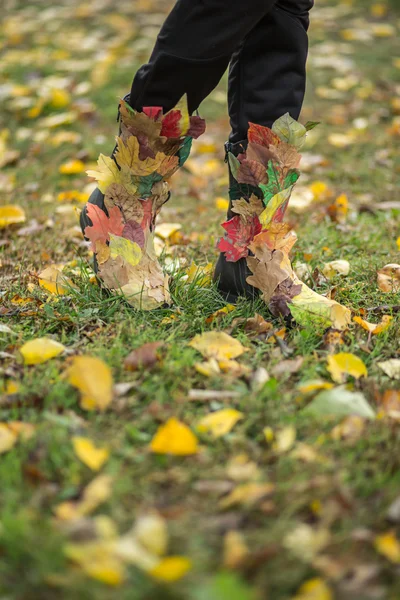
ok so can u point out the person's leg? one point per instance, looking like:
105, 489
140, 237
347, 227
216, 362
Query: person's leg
267, 79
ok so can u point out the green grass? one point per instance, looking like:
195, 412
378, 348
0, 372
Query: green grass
357, 480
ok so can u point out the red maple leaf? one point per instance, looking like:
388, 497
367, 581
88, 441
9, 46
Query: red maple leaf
102, 225
239, 234
153, 112
171, 124
197, 127
264, 136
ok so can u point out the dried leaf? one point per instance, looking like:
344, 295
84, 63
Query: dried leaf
174, 437
375, 328
339, 401
219, 422
97, 492
290, 131
89, 454
106, 173
171, 568
218, 345
253, 206
92, 377
54, 281
343, 364
102, 226
247, 494
11, 214
129, 251
314, 589
239, 233
391, 367
336, 267
305, 542
389, 278
146, 356
388, 545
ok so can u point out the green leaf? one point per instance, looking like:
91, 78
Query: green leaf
146, 183
290, 131
341, 402
273, 186
234, 164
225, 586
312, 125
184, 150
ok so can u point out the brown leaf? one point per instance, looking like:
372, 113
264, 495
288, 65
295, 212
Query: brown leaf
266, 270
286, 154
251, 172
249, 208
144, 357
288, 367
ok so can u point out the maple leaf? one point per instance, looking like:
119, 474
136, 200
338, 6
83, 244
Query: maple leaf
153, 112
251, 172
197, 127
170, 124
266, 270
127, 156
278, 236
239, 233
253, 206
264, 136
102, 226
133, 232
106, 173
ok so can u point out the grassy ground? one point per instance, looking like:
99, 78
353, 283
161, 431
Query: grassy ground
331, 493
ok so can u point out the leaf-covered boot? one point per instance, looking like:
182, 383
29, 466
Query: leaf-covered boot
120, 217
257, 233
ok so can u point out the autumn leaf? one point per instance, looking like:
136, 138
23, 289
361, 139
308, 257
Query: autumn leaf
92, 377
54, 281
218, 345
263, 136
125, 249
95, 493
342, 364
107, 173
248, 208
11, 214
341, 402
388, 545
389, 278
314, 589
174, 437
146, 356
103, 225
391, 367
239, 234
267, 272
290, 131
247, 494
375, 328
336, 267
8, 438
171, 568
89, 454
40, 350
219, 422
251, 172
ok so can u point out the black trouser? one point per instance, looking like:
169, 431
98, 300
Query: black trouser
264, 41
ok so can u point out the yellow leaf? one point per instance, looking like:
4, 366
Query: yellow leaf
93, 378
388, 545
389, 278
220, 422
87, 452
72, 167
40, 350
314, 589
171, 568
391, 367
247, 494
220, 313
59, 98
184, 122
10, 214
151, 532
375, 328
174, 437
102, 252
166, 230
106, 173
218, 345
310, 307
273, 205
52, 280
235, 549
305, 542
342, 364
202, 275
336, 267
11, 387
222, 203
319, 190
98, 560
8, 438
398, 243
314, 386
209, 368
97, 492
128, 250
284, 439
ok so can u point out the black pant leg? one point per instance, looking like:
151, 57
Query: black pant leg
193, 50
268, 72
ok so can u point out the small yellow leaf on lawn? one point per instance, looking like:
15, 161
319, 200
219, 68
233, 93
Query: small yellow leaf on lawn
319, 189
344, 363
8, 438
72, 167
52, 280
314, 385
220, 422
247, 494
220, 313
87, 452
398, 243
389, 278
284, 439
171, 568
235, 549
388, 545
391, 367
97, 560
218, 345
305, 542
209, 368
93, 378
375, 328
222, 203
314, 589
97, 492
151, 532
351, 428
165, 230
174, 437
40, 350
336, 267
10, 214
201, 275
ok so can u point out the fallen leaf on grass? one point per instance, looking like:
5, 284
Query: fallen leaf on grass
389, 278
97, 492
11, 214
336, 267
93, 378
314, 385
284, 439
351, 428
314, 589
374, 328
218, 345
235, 549
219, 422
8, 438
341, 402
151, 532
171, 568
220, 313
145, 356
344, 363
305, 542
388, 545
40, 350
241, 468
247, 494
53, 280
389, 404
89, 454
174, 437
288, 367
391, 367
166, 230
98, 560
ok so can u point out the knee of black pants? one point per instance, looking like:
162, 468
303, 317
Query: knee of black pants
299, 9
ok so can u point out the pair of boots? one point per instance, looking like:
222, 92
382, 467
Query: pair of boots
119, 218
